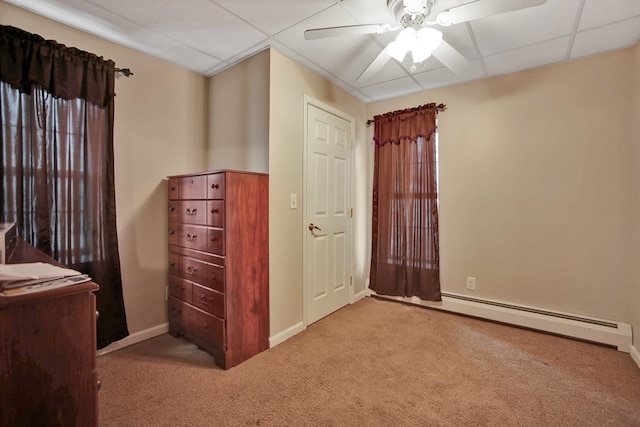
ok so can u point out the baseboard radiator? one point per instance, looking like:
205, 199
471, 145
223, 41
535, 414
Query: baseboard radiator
615, 334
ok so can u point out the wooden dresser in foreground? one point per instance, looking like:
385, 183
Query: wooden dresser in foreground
219, 263
48, 371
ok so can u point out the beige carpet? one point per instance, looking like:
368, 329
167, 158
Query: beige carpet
377, 363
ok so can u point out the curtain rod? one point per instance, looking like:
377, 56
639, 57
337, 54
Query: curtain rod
440, 107
125, 72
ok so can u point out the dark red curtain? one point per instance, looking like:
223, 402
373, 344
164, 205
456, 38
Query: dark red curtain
405, 254
57, 163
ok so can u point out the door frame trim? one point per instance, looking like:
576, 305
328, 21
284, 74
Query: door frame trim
310, 101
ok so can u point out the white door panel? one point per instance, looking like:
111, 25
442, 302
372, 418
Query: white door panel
327, 198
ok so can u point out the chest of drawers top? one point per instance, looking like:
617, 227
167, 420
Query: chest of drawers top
202, 186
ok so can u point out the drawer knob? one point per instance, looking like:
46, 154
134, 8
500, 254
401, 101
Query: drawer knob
213, 239
171, 209
214, 186
171, 232
213, 277
215, 211
172, 264
172, 188
191, 212
191, 238
98, 384
192, 270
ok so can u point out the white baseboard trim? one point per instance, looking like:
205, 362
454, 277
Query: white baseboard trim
357, 297
635, 354
135, 338
286, 334
617, 334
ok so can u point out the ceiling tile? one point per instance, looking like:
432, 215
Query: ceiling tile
273, 16
369, 11
527, 57
443, 76
525, 27
596, 13
293, 37
203, 25
389, 89
103, 23
459, 37
346, 61
614, 36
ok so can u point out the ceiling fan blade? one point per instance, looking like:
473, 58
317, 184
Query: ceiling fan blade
451, 58
349, 30
483, 8
375, 66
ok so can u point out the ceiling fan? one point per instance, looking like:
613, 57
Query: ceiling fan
417, 19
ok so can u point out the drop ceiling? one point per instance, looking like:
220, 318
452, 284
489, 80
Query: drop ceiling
207, 36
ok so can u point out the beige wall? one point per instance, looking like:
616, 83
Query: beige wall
289, 83
239, 116
539, 173
536, 184
634, 302
160, 130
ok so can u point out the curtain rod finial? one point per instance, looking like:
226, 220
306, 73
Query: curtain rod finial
126, 72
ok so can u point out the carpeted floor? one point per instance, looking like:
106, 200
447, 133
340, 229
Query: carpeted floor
377, 363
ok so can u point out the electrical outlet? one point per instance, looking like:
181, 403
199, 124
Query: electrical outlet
293, 201
471, 283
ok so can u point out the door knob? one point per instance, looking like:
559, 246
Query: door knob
314, 227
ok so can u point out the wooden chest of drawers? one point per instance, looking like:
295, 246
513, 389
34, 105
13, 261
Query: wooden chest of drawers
48, 366
219, 263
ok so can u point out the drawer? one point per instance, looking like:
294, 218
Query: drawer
180, 288
215, 186
193, 270
215, 241
173, 188
215, 213
193, 236
208, 300
174, 264
197, 323
216, 277
207, 327
173, 211
193, 187
192, 212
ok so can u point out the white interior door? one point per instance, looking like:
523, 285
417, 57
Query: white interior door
327, 213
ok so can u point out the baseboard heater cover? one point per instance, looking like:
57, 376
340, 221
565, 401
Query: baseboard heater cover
612, 333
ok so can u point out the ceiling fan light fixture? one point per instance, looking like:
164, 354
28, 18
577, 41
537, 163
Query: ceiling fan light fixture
407, 38
428, 38
396, 51
420, 53
415, 7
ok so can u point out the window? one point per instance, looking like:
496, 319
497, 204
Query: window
407, 212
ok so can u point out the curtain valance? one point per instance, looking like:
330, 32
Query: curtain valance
405, 125
28, 59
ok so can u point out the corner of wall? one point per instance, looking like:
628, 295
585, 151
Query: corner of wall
635, 354
634, 301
